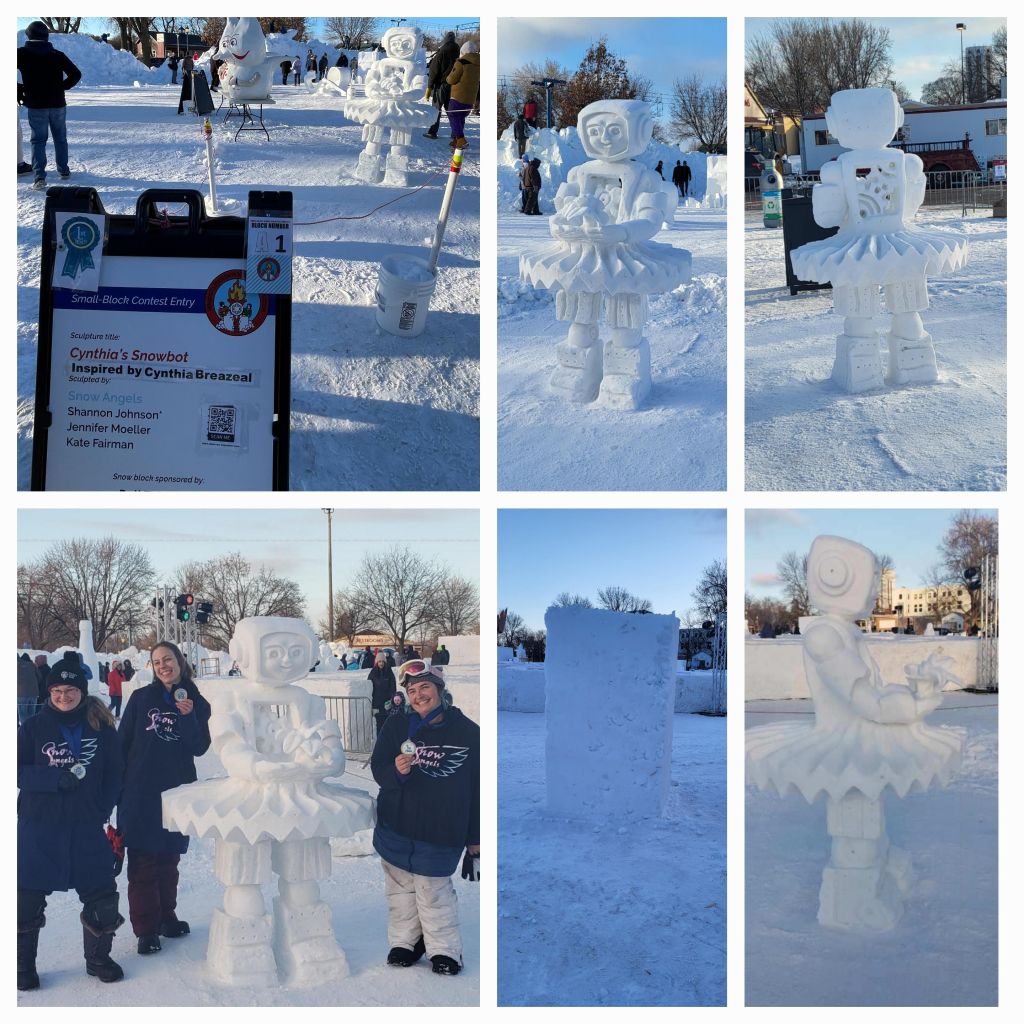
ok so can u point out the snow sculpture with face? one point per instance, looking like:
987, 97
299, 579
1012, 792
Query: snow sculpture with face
868, 736
274, 813
392, 102
872, 194
247, 72
603, 260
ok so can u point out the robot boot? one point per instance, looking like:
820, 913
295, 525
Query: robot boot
577, 378
627, 371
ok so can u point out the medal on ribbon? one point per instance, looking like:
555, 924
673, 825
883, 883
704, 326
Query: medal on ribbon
81, 236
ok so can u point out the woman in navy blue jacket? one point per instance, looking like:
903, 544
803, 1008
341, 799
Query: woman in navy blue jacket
165, 726
69, 777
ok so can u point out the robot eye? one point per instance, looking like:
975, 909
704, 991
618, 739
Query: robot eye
296, 651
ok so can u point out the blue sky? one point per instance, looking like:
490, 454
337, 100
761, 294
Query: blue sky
655, 553
910, 536
293, 542
920, 46
661, 49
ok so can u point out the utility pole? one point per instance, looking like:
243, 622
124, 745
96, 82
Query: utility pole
961, 28
329, 512
548, 84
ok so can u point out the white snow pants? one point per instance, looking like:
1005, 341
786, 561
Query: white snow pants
422, 905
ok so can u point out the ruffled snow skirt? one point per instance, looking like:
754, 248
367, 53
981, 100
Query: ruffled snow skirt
857, 260
641, 267
391, 113
248, 812
863, 755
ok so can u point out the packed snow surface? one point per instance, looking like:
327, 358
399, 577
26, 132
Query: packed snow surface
598, 914
802, 433
369, 411
943, 951
677, 440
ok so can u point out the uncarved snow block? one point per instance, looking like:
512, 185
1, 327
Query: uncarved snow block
610, 688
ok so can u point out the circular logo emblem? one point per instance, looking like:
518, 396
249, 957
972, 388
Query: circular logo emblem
230, 309
268, 269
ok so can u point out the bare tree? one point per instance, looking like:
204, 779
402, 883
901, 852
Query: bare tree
514, 632
62, 24
352, 616
399, 588
767, 611
999, 55
455, 610
710, 594
947, 89
518, 87
567, 600
938, 578
699, 112
38, 624
105, 581
972, 536
238, 589
352, 33
619, 599
792, 570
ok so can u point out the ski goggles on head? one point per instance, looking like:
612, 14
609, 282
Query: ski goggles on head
410, 671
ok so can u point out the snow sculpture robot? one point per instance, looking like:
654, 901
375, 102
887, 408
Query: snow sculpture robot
273, 814
875, 248
248, 69
602, 258
393, 90
867, 736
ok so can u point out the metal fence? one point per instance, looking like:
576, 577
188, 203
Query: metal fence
718, 664
970, 190
354, 716
988, 624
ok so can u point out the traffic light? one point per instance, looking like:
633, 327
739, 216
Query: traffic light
204, 613
183, 607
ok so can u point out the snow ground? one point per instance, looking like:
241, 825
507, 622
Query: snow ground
601, 914
176, 976
369, 412
944, 951
677, 441
804, 434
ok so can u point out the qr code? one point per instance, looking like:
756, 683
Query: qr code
220, 424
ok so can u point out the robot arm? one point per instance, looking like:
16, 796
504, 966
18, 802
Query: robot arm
916, 181
231, 746
318, 747
828, 199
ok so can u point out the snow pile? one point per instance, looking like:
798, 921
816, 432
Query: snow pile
702, 296
101, 64
560, 151
775, 668
464, 650
520, 686
610, 685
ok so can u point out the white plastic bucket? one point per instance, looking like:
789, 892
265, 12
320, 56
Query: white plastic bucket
404, 289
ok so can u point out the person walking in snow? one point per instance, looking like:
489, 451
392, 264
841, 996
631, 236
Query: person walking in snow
69, 777
520, 133
438, 70
296, 70
172, 63
427, 764
532, 186
685, 174
28, 688
46, 75
464, 79
677, 177
322, 67
115, 680
188, 65
530, 111
382, 677
286, 70
164, 728
660, 169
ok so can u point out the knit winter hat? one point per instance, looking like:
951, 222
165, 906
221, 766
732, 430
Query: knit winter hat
37, 30
68, 672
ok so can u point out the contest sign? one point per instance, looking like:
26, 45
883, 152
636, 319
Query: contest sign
169, 372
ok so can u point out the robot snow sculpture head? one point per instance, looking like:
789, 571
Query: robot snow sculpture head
842, 577
864, 118
243, 42
273, 650
615, 129
402, 43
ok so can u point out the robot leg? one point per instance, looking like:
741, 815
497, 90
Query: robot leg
858, 364
911, 353
577, 377
627, 354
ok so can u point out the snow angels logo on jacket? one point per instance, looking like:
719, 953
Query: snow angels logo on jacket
229, 309
163, 723
59, 754
437, 762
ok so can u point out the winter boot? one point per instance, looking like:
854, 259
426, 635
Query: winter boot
28, 943
24, 168
97, 956
460, 142
172, 928
430, 133
445, 964
399, 956
149, 944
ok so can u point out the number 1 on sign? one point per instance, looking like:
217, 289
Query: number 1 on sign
269, 256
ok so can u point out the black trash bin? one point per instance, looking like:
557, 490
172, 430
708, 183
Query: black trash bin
798, 228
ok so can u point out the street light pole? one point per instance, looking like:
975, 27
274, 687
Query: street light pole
961, 28
330, 577
549, 84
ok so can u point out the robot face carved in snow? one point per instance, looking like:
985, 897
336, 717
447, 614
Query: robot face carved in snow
842, 577
402, 43
284, 658
864, 118
615, 129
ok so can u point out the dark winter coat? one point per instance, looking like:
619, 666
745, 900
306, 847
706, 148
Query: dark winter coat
519, 131
367, 661
342, 61
159, 746
42, 675
61, 841
427, 818
441, 657
531, 175
464, 79
46, 74
28, 678
322, 66
384, 686
440, 68
677, 175
685, 173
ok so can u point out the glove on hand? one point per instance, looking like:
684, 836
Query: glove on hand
67, 782
471, 866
